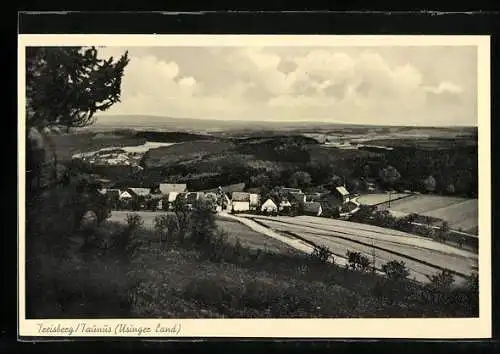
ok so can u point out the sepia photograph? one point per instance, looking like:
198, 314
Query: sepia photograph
171, 180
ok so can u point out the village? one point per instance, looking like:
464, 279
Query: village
235, 198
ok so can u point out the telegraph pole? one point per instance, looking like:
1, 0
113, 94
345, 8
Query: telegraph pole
373, 257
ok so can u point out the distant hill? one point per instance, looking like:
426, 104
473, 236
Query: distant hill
164, 123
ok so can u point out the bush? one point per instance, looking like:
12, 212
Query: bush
125, 244
443, 281
357, 261
396, 270
218, 248
202, 223
167, 227
321, 254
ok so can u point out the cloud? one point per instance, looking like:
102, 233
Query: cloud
361, 86
444, 87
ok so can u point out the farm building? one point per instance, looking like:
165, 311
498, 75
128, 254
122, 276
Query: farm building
269, 206
343, 194
312, 197
284, 205
139, 192
254, 201
286, 190
313, 209
238, 187
166, 188
297, 197
240, 201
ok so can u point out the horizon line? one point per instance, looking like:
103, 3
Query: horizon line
292, 121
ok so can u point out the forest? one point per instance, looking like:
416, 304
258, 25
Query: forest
266, 162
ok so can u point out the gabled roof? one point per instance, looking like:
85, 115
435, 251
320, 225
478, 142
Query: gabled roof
290, 190
140, 191
272, 200
240, 197
238, 187
312, 207
254, 190
299, 197
172, 187
342, 190
313, 196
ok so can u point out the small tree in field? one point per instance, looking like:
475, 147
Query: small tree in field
321, 254
166, 226
202, 223
395, 270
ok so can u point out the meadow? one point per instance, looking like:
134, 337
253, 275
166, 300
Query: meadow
424, 257
235, 232
461, 214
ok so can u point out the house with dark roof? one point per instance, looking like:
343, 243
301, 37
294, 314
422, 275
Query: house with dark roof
312, 197
286, 190
238, 187
297, 197
343, 194
313, 209
135, 193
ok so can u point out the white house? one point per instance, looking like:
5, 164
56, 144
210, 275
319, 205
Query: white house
240, 201
269, 206
166, 188
254, 201
125, 195
284, 204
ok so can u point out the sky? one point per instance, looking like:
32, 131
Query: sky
417, 85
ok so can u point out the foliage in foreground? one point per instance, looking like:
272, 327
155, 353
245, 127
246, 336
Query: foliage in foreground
218, 278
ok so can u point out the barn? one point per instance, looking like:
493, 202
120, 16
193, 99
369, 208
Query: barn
240, 201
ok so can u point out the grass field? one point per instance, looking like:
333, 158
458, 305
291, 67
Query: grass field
460, 213
422, 256
235, 230
67, 145
187, 151
179, 283
377, 198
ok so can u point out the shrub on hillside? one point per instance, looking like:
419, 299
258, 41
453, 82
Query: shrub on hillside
125, 243
442, 281
202, 225
395, 270
357, 261
321, 254
167, 227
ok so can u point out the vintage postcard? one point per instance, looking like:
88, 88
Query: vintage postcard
181, 186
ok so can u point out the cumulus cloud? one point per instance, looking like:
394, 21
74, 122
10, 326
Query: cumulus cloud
444, 87
322, 84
